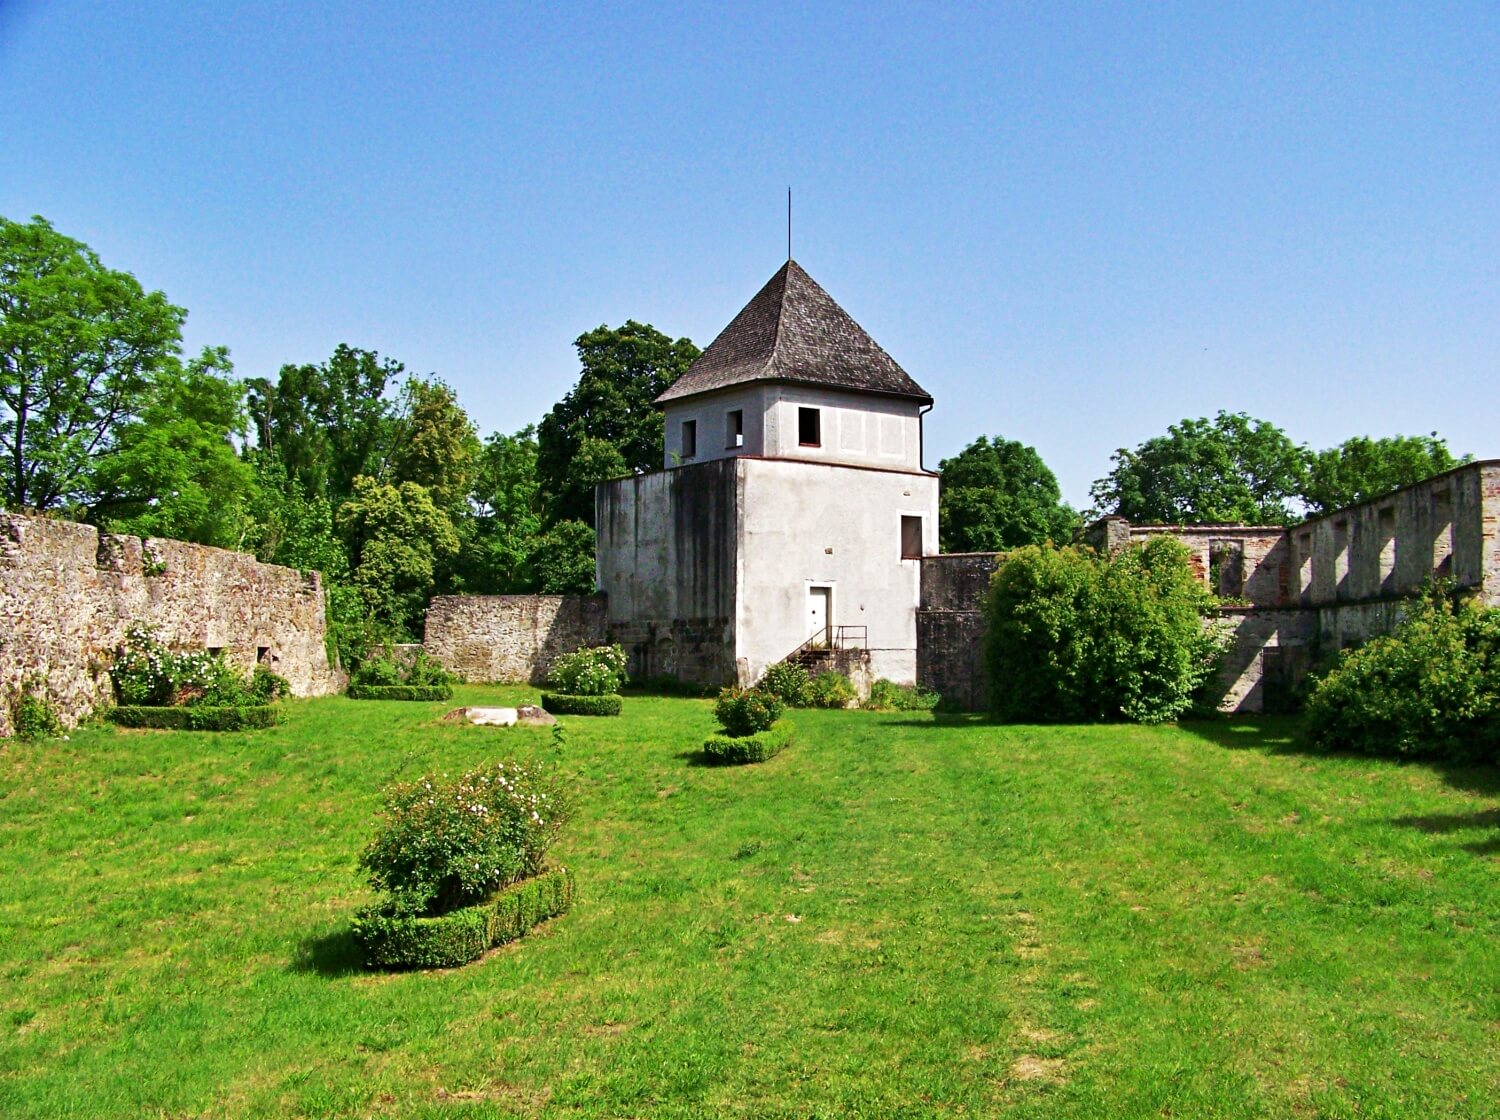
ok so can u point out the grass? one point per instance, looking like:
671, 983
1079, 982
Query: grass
899, 916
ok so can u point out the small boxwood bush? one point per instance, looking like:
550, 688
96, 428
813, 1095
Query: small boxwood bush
196, 717
599, 671
787, 681
566, 704
391, 939
744, 711
888, 696
738, 749
400, 692
830, 690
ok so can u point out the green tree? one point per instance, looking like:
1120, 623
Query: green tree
1074, 636
174, 470
562, 559
506, 502
1226, 470
329, 423
291, 528
1362, 467
997, 494
397, 536
624, 369
435, 445
80, 347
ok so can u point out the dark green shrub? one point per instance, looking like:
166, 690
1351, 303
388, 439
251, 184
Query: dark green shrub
32, 715
196, 717
399, 692
380, 671
566, 704
787, 681
1077, 637
889, 696
443, 844
599, 671
739, 749
744, 711
426, 670
267, 687
1430, 689
392, 939
830, 690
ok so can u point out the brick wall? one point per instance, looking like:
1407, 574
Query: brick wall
68, 594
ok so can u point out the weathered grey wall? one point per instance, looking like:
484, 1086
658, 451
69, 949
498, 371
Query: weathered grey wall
666, 549
510, 637
68, 594
951, 628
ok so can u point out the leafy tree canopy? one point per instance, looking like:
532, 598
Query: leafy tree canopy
997, 494
331, 422
563, 559
624, 370
435, 445
1361, 468
80, 348
397, 536
174, 471
1229, 469
506, 518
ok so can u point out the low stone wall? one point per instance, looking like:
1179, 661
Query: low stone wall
69, 593
510, 637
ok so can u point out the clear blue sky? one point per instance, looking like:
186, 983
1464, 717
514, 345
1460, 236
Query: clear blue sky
1073, 225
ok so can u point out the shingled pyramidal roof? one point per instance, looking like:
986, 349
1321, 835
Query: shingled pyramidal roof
793, 331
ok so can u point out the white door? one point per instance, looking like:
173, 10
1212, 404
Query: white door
818, 599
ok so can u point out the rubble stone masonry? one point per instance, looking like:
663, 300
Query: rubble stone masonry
510, 637
68, 593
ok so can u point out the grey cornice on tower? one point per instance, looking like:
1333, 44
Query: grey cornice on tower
792, 330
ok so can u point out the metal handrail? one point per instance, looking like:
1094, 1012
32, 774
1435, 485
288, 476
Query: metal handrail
842, 636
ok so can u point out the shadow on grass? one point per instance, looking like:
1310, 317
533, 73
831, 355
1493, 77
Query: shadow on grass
1443, 823
696, 757
331, 954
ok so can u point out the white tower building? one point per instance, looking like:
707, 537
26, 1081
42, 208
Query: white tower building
792, 509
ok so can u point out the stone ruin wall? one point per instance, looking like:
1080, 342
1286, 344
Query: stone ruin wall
510, 637
68, 593
951, 628
1293, 596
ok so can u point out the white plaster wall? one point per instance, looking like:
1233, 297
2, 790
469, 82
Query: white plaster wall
804, 524
860, 429
710, 411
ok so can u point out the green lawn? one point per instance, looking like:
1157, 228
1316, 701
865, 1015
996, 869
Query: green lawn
899, 916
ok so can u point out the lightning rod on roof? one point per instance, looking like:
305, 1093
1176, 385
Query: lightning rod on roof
789, 223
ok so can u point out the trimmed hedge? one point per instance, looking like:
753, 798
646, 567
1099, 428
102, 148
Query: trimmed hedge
567, 704
201, 718
393, 941
400, 692
738, 749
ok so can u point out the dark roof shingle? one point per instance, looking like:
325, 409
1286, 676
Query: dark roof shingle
793, 331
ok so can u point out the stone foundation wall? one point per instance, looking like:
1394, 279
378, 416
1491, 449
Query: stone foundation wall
697, 651
951, 627
68, 594
511, 637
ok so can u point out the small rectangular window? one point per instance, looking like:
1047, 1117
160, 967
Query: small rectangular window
809, 427
734, 428
911, 538
689, 439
